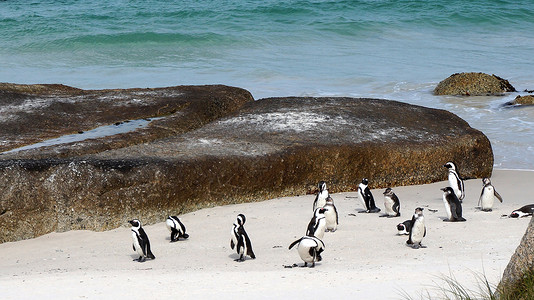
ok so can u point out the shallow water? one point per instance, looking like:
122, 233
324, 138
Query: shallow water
390, 49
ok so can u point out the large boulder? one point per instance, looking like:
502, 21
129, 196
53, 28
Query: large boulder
522, 100
473, 84
269, 148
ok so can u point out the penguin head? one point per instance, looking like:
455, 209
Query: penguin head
319, 211
486, 181
450, 165
514, 214
388, 192
135, 223
329, 200
401, 227
322, 186
365, 181
241, 219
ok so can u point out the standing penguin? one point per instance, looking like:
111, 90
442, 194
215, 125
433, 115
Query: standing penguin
391, 204
455, 181
310, 249
331, 215
141, 244
488, 195
320, 199
240, 239
367, 197
453, 206
176, 227
317, 225
404, 228
418, 230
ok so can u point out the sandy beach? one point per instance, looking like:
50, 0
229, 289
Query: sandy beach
364, 258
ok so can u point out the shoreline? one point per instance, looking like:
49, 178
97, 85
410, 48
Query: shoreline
365, 258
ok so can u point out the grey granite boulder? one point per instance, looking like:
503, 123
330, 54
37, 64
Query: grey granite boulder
267, 148
473, 84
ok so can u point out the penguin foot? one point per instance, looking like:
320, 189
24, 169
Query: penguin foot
363, 211
374, 210
304, 265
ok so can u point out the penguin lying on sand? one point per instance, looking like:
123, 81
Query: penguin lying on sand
404, 227
488, 195
310, 249
177, 228
240, 239
141, 244
524, 211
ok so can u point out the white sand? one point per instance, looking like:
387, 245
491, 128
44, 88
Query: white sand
364, 259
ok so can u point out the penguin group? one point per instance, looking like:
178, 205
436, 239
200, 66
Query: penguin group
325, 219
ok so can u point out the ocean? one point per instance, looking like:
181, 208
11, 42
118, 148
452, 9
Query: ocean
388, 49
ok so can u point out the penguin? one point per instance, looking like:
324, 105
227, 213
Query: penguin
331, 215
453, 207
524, 211
404, 227
310, 249
317, 225
240, 239
176, 227
320, 199
488, 195
418, 229
367, 197
455, 181
391, 204
141, 244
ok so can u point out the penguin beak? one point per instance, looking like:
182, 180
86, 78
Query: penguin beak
131, 222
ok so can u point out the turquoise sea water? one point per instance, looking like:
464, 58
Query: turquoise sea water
391, 49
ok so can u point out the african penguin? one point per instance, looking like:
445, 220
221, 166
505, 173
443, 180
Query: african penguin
455, 181
404, 227
176, 227
317, 225
391, 203
310, 249
524, 211
367, 197
141, 244
320, 199
418, 229
331, 215
453, 207
240, 239
488, 195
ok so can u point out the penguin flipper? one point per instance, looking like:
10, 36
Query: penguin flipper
497, 195
294, 243
232, 245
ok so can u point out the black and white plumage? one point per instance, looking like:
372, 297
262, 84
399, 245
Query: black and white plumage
141, 244
310, 249
404, 228
320, 199
455, 181
418, 229
331, 215
240, 239
453, 207
317, 225
176, 227
488, 195
367, 198
524, 211
391, 204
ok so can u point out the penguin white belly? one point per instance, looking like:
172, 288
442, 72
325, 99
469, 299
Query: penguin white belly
234, 237
331, 219
487, 198
388, 205
321, 228
418, 231
453, 181
321, 200
447, 207
170, 224
362, 198
136, 244
304, 249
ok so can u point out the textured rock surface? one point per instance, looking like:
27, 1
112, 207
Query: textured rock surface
522, 100
269, 148
473, 84
522, 260
32, 113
